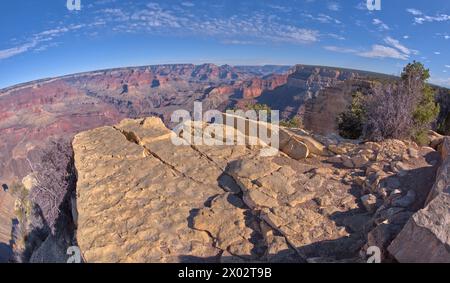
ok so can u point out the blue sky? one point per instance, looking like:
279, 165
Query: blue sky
43, 38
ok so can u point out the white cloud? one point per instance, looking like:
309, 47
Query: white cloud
281, 8
438, 18
116, 14
443, 35
437, 53
380, 24
188, 4
238, 42
7, 53
336, 36
415, 12
257, 26
33, 43
394, 50
323, 18
333, 6
447, 66
405, 36
396, 44
340, 49
153, 18
420, 17
380, 51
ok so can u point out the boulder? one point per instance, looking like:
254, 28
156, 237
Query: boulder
442, 184
435, 139
313, 145
296, 149
426, 236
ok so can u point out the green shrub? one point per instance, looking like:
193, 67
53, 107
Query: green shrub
294, 122
425, 113
421, 138
351, 122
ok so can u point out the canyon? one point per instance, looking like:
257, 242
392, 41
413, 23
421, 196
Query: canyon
139, 198
35, 112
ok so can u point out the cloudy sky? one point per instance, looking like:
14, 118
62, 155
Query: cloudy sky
43, 38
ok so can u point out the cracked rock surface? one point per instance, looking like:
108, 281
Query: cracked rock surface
140, 198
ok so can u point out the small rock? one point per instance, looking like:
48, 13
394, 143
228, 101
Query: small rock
400, 168
372, 146
335, 159
348, 179
359, 180
435, 139
370, 202
413, 153
383, 192
347, 161
323, 201
359, 161
373, 168
406, 200
386, 214
336, 149
373, 180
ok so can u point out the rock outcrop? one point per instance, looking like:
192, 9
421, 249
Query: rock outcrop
140, 198
426, 236
143, 199
255, 87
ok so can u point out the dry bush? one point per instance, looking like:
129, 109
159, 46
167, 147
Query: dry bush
389, 113
404, 109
